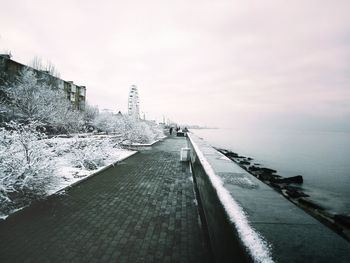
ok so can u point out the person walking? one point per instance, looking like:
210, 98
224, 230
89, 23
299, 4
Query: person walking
171, 130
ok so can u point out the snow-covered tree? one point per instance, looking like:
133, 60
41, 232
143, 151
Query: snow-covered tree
4, 109
105, 122
129, 129
33, 99
25, 163
38, 64
90, 113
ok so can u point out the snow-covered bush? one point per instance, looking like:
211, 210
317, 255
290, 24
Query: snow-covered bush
155, 131
25, 163
138, 131
89, 154
106, 122
129, 129
90, 113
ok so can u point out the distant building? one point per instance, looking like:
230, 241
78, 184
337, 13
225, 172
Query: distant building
9, 70
133, 103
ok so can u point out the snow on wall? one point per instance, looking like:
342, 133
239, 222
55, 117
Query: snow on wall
255, 244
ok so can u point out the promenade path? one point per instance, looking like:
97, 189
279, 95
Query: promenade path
142, 210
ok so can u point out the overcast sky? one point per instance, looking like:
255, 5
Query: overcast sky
219, 63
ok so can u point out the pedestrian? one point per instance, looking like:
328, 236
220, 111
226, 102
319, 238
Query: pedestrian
171, 130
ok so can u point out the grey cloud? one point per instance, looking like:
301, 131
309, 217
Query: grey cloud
195, 60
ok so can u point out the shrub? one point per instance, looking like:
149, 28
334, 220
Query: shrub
89, 154
25, 163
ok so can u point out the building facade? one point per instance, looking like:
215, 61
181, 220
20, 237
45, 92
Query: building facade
9, 70
133, 102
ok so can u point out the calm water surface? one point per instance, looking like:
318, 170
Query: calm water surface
323, 158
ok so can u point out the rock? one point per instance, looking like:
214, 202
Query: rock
265, 176
244, 162
250, 159
310, 204
253, 168
277, 186
268, 170
290, 180
244, 167
231, 154
294, 192
343, 220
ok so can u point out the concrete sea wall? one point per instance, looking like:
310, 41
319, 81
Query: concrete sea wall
248, 221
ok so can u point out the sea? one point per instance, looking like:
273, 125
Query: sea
322, 158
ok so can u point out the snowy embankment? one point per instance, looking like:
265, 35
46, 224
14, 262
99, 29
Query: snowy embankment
256, 246
51, 165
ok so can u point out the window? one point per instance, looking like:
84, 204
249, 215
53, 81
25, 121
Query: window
82, 91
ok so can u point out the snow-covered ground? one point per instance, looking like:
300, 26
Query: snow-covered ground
68, 167
75, 158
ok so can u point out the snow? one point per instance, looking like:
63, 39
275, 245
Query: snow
66, 174
32, 165
255, 244
69, 156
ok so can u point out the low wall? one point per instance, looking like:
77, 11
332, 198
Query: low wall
250, 222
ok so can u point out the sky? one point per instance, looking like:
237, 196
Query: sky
271, 63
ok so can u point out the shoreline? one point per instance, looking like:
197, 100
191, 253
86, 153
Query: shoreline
291, 188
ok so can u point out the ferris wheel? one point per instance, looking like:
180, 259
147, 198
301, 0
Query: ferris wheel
133, 102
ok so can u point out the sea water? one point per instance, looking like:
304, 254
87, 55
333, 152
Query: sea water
322, 158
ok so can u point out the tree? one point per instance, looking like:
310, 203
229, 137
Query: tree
38, 64
36, 100
25, 163
4, 110
90, 113
129, 129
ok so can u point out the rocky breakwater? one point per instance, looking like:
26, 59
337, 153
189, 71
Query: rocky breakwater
291, 188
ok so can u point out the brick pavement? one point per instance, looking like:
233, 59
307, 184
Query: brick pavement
142, 210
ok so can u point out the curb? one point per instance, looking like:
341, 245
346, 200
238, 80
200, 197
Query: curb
145, 144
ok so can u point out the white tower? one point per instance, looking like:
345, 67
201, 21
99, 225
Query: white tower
133, 102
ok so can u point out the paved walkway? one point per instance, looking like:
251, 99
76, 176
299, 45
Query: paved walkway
142, 210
